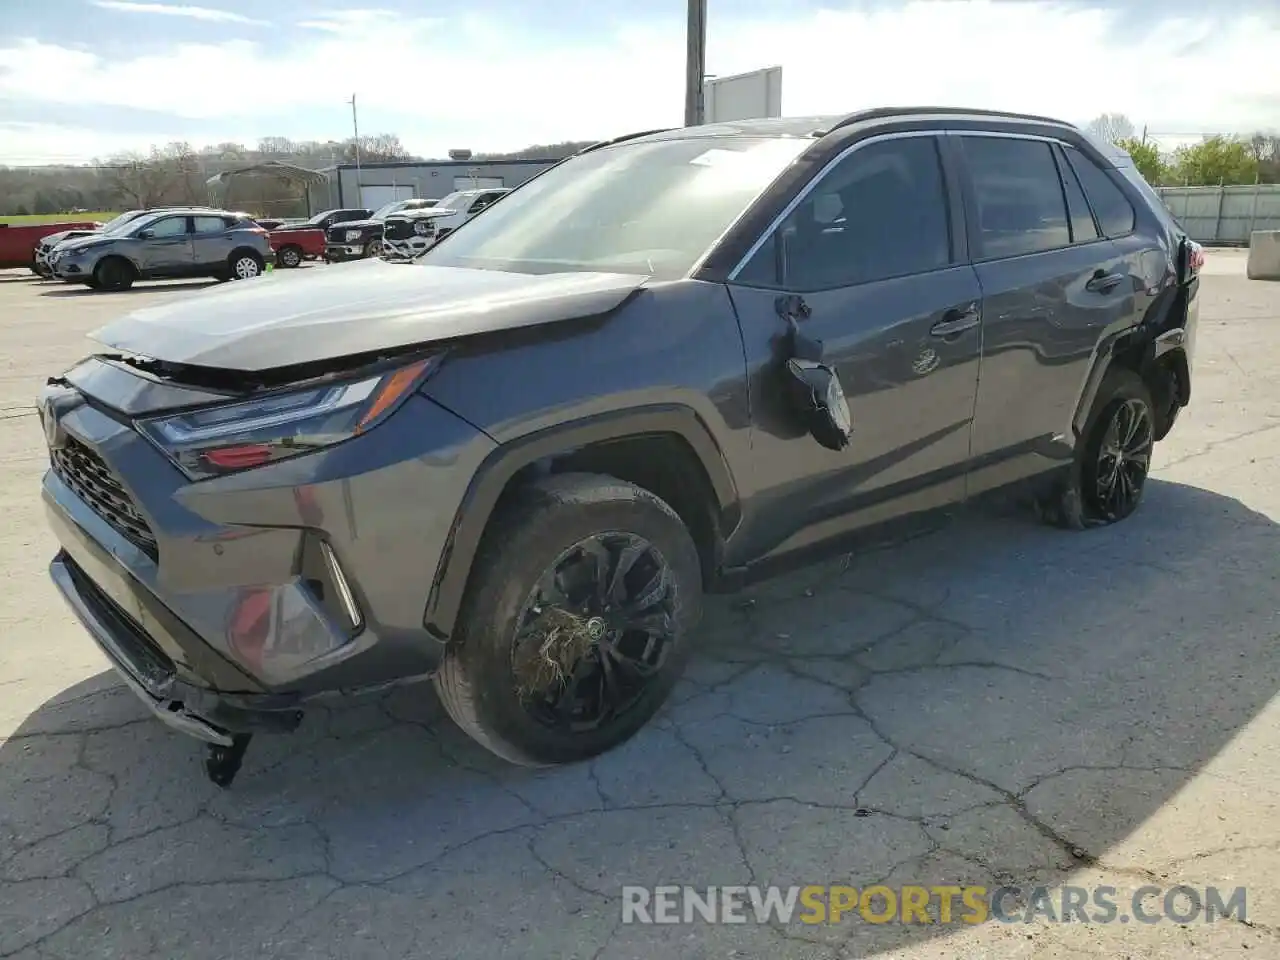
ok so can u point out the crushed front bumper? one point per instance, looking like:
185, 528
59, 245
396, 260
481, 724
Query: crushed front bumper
196, 711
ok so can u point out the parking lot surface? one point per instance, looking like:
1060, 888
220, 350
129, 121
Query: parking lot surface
991, 703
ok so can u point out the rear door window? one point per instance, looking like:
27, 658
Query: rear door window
1021, 207
212, 224
1114, 211
1083, 229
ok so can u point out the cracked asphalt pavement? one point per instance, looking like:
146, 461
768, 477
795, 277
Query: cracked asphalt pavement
990, 703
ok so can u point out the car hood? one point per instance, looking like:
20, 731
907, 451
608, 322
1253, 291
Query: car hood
427, 213
79, 243
280, 320
53, 239
356, 224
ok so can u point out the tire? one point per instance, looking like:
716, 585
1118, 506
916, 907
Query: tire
113, 274
245, 265
480, 679
1082, 500
289, 257
372, 249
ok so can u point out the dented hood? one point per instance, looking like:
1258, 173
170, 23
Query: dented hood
330, 312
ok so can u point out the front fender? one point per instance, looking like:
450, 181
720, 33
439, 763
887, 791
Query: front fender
491, 479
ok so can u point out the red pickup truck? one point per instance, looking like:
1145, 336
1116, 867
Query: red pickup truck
18, 240
295, 244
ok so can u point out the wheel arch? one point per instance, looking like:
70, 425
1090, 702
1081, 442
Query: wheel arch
1156, 350
668, 450
123, 258
243, 249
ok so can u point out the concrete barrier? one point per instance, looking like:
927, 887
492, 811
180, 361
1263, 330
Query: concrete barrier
1264, 255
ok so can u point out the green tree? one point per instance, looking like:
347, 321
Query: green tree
1215, 160
1146, 157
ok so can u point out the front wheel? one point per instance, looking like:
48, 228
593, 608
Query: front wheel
113, 274
1109, 474
372, 249
576, 623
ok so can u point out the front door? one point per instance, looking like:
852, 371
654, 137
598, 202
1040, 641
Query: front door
871, 251
166, 250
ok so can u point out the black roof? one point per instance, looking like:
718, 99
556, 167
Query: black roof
819, 125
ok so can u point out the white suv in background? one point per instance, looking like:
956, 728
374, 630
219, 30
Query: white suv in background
464, 205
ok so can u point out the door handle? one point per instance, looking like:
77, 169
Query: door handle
957, 321
1103, 282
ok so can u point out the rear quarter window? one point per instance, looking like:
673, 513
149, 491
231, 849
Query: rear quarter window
1115, 213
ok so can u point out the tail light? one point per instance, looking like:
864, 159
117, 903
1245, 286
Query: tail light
1197, 256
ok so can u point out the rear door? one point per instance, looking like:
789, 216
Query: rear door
212, 240
166, 250
1052, 286
871, 251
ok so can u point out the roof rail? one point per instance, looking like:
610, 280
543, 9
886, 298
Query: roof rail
622, 139
880, 113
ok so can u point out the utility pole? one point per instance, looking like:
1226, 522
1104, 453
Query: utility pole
355, 127
695, 62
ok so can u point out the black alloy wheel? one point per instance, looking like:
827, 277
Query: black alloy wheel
596, 630
1113, 488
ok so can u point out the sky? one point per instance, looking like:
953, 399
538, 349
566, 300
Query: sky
85, 79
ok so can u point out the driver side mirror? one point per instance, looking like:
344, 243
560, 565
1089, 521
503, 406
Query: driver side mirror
145, 234
816, 395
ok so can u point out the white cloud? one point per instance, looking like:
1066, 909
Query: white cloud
207, 14
485, 84
39, 143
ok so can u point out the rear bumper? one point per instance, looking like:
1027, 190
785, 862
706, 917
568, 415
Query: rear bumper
343, 251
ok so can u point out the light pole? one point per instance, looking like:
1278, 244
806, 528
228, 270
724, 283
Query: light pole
695, 62
355, 128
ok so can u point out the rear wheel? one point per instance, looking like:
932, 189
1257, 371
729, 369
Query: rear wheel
576, 624
113, 273
289, 257
245, 265
1109, 475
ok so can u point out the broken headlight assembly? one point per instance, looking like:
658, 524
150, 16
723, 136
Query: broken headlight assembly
213, 441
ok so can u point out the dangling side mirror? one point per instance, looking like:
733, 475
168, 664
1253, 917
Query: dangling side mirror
816, 395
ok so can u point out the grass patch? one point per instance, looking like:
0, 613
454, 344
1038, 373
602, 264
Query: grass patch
100, 215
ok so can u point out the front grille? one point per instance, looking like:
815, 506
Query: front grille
397, 230
93, 482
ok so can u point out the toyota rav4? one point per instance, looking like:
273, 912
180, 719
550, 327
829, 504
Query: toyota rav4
664, 366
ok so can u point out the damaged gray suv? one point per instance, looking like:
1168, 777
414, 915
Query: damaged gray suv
667, 365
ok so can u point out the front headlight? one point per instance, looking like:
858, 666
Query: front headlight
352, 235
213, 441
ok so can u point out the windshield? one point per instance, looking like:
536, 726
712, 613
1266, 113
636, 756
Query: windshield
123, 220
646, 208
387, 208
319, 217
449, 199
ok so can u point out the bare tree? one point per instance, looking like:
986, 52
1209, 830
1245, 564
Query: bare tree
1111, 127
141, 180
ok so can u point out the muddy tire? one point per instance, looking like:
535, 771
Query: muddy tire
577, 621
1107, 479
